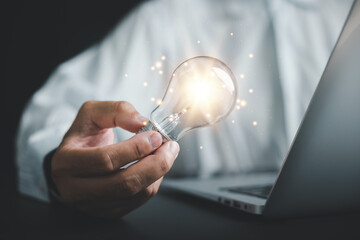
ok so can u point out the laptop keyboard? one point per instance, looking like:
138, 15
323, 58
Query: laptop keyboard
258, 191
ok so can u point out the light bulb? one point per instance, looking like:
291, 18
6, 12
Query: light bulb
201, 92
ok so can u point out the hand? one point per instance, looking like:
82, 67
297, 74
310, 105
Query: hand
86, 166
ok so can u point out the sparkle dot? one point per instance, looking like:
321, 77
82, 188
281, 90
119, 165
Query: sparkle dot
232, 121
251, 90
201, 147
171, 90
231, 34
126, 75
144, 123
160, 72
208, 115
159, 102
185, 64
238, 100
251, 55
158, 64
198, 41
152, 68
243, 103
163, 58
171, 119
237, 107
242, 76
152, 99
173, 74
145, 84
254, 123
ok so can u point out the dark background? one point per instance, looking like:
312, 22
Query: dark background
38, 36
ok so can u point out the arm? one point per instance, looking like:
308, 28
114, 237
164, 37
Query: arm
90, 76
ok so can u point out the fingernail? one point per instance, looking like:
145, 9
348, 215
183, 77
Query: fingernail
142, 120
174, 148
155, 140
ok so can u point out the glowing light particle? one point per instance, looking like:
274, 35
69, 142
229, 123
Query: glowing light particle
126, 75
163, 58
254, 123
152, 68
208, 115
242, 76
159, 102
152, 99
251, 55
198, 41
173, 74
231, 34
243, 103
185, 64
171, 119
251, 90
158, 64
171, 90
238, 100
237, 107
144, 123
145, 84
160, 72
201, 147
232, 121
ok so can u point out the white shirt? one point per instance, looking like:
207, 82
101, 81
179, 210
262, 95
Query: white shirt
276, 48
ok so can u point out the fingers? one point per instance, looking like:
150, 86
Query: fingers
151, 168
133, 149
145, 172
108, 115
135, 178
101, 160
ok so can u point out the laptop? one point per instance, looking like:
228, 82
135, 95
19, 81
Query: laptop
321, 172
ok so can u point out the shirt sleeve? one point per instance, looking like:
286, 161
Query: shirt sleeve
88, 76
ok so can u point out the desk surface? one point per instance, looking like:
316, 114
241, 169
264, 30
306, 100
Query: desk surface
169, 215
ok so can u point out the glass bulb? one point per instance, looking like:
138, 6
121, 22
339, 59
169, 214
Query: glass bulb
201, 92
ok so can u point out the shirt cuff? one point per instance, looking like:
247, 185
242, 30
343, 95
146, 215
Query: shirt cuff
53, 192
